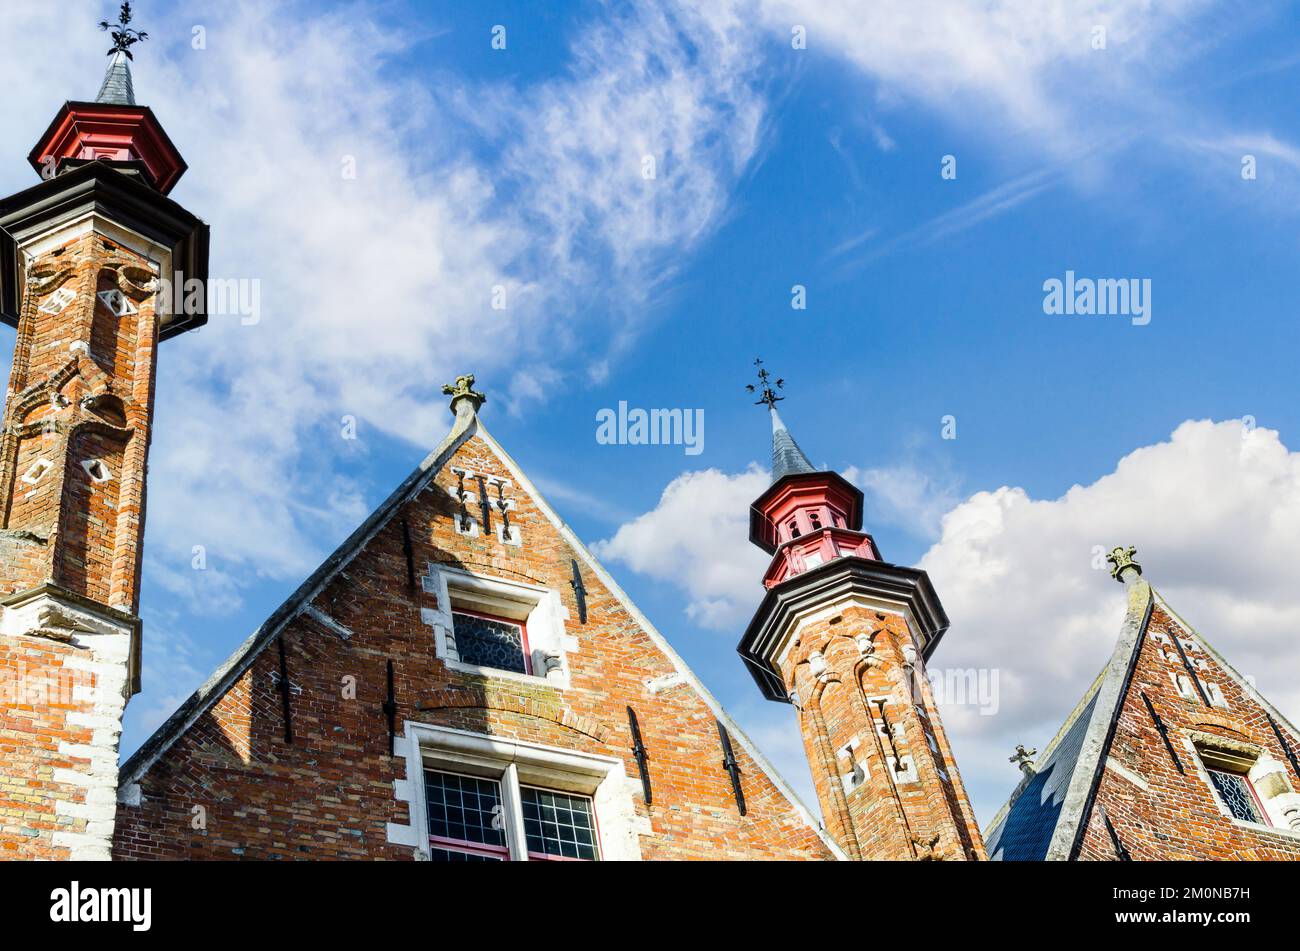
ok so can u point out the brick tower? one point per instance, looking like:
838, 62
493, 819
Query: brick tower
844, 637
83, 258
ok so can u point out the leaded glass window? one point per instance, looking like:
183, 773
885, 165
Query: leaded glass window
471, 819
1237, 794
464, 818
558, 825
490, 642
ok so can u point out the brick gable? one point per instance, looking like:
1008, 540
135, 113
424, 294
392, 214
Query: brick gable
1159, 811
338, 791
1127, 778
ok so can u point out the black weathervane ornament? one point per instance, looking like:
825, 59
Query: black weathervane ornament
765, 384
123, 36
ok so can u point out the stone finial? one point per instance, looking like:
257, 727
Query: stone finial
1122, 561
463, 388
1024, 758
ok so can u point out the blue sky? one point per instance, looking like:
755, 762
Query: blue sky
775, 167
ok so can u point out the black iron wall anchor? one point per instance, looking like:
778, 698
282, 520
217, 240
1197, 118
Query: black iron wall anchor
484, 504
731, 766
460, 498
1190, 669
503, 507
579, 592
1160, 728
1120, 852
1286, 747
638, 750
390, 708
888, 729
284, 693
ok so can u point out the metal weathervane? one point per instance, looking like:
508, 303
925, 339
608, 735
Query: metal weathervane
123, 36
765, 387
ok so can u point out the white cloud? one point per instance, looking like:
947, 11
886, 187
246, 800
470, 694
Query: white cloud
1024, 64
697, 538
697, 535
1214, 513
907, 496
1215, 516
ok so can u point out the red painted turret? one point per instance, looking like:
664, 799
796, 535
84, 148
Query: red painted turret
805, 518
112, 129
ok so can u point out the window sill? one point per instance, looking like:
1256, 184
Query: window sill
477, 671
1260, 827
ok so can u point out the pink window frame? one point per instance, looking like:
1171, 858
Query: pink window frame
501, 852
595, 829
1245, 778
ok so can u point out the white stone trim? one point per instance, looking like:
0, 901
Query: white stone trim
1183, 685
1267, 776
157, 255
824, 611
513, 762
93, 465
540, 608
327, 622
1215, 693
37, 471
1123, 771
903, 769
664, 682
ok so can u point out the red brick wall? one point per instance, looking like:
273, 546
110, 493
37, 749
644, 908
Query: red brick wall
885, 817
1177, 816
81, 388
36, 696
330, 794
68, 406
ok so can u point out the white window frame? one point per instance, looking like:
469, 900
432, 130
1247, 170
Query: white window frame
539, 608
514, 763
1267, 776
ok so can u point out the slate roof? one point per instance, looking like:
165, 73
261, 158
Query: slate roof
787, 457
1046, 814
117, 89
1042, 819
1024, 831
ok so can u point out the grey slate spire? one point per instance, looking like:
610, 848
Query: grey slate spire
787, 457
117, 90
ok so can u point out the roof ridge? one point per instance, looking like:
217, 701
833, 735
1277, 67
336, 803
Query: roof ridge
1077, 805
1105, 698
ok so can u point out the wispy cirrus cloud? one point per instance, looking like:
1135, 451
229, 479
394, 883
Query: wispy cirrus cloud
380, 234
